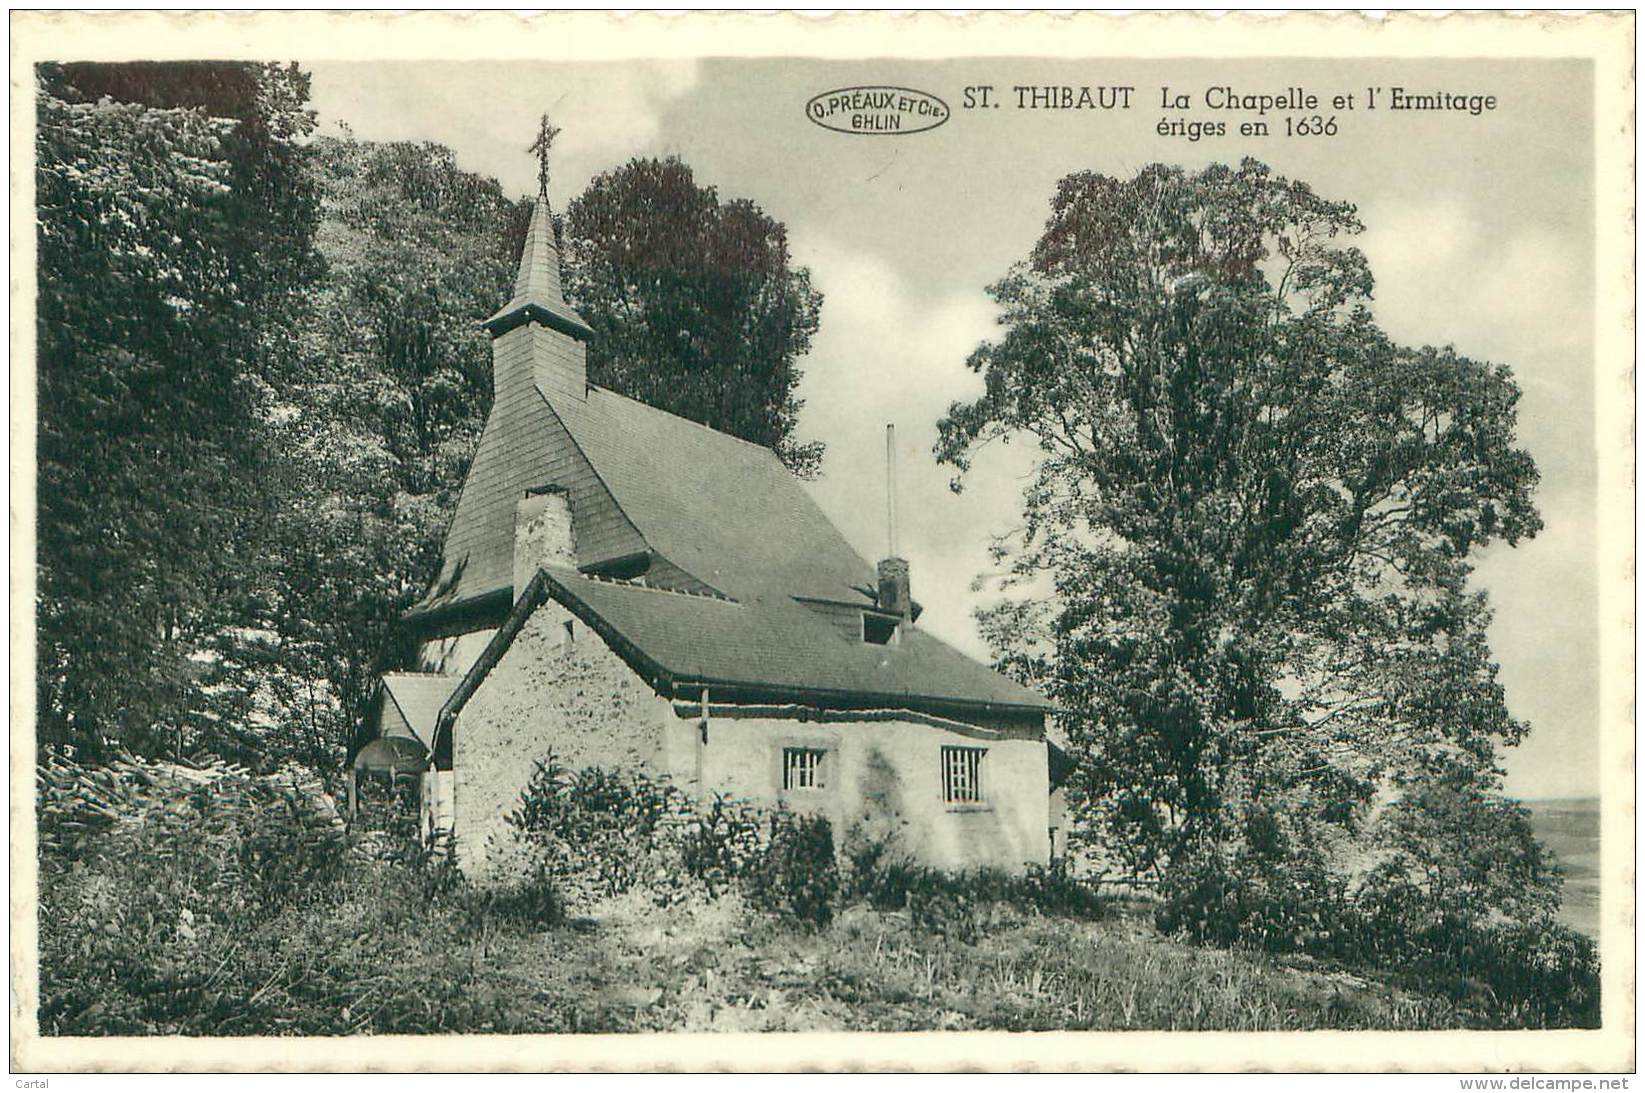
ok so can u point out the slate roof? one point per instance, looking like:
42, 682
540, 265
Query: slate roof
775, 649
419, 695
724, 510
715, 514
525, 445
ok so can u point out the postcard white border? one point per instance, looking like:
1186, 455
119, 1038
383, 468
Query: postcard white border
1606, 39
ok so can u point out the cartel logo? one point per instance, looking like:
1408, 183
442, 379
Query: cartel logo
877, 110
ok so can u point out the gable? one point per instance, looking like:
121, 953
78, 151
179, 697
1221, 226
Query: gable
576, 698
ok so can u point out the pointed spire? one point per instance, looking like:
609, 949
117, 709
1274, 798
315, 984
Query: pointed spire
539, 275
537, 292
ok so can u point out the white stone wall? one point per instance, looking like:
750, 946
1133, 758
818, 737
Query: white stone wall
885, 777
453, 656
579, 702
586, 706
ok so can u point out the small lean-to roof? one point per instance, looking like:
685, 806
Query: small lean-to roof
769, 649
419, 696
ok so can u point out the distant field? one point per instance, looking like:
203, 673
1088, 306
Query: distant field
1570, 828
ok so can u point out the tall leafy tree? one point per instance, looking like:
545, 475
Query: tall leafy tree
1244, 568
695, 301
376, 436
175, 229
262, 380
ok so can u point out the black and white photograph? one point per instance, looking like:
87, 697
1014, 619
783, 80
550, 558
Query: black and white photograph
588, 529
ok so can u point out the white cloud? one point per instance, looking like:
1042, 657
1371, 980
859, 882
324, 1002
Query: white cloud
488, 113
1523, 298
885, 354
1442, 278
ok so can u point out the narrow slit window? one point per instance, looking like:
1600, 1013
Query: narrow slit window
803, 768
962, 775
569, 635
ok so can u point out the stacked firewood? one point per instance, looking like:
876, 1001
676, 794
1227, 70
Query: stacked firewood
76, 802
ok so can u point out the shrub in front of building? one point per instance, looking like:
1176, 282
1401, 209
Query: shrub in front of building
1473, 925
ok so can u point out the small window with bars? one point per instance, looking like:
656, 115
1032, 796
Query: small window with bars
962, 775
804, 768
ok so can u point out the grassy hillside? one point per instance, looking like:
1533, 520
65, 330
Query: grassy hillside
218, 902
389, 957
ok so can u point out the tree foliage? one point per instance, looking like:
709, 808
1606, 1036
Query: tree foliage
173, 240
695, 304
1244, 566
262, 378
375, 437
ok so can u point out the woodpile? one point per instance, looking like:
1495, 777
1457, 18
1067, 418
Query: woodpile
75, 802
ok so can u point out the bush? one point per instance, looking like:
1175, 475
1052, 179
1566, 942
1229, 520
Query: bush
598, 833
1464, 899
534, 900
947, 903
877, 870
151, 873
1053, 890
1276, 900
1534, 973
1469, 917
795, 874
718, 846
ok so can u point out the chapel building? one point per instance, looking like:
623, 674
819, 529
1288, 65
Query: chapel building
622, 587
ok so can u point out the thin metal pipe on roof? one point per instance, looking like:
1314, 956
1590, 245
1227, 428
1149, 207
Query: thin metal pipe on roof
891, 490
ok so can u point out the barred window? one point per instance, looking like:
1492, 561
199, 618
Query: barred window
803, 768
962, 775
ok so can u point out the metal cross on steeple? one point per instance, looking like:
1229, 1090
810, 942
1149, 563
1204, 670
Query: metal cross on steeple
545, 138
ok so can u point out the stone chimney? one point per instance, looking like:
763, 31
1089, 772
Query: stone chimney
896, 591
542, 534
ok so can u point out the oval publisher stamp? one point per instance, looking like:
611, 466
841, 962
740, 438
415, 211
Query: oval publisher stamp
876, 110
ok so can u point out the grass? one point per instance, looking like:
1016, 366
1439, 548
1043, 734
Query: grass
196, 913
383, 954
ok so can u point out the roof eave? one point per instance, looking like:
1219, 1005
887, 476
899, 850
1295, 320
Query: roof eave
687, 686
519, 312
486, 603
677, 684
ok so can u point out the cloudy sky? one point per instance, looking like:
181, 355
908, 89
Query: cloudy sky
1479, 231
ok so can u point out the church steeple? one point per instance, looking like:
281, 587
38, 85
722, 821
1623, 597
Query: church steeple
537, 293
